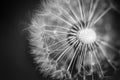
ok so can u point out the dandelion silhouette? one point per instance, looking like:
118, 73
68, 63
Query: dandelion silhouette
68, 43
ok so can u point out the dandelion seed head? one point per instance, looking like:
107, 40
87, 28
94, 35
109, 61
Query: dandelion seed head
70, 39
87, 35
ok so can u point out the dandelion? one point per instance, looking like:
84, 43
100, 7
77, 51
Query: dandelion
67, 38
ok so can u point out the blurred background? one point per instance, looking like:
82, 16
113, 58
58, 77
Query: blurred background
16, 63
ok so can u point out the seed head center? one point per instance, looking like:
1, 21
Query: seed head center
87, 35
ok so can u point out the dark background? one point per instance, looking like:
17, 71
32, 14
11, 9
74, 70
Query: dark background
16, 64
